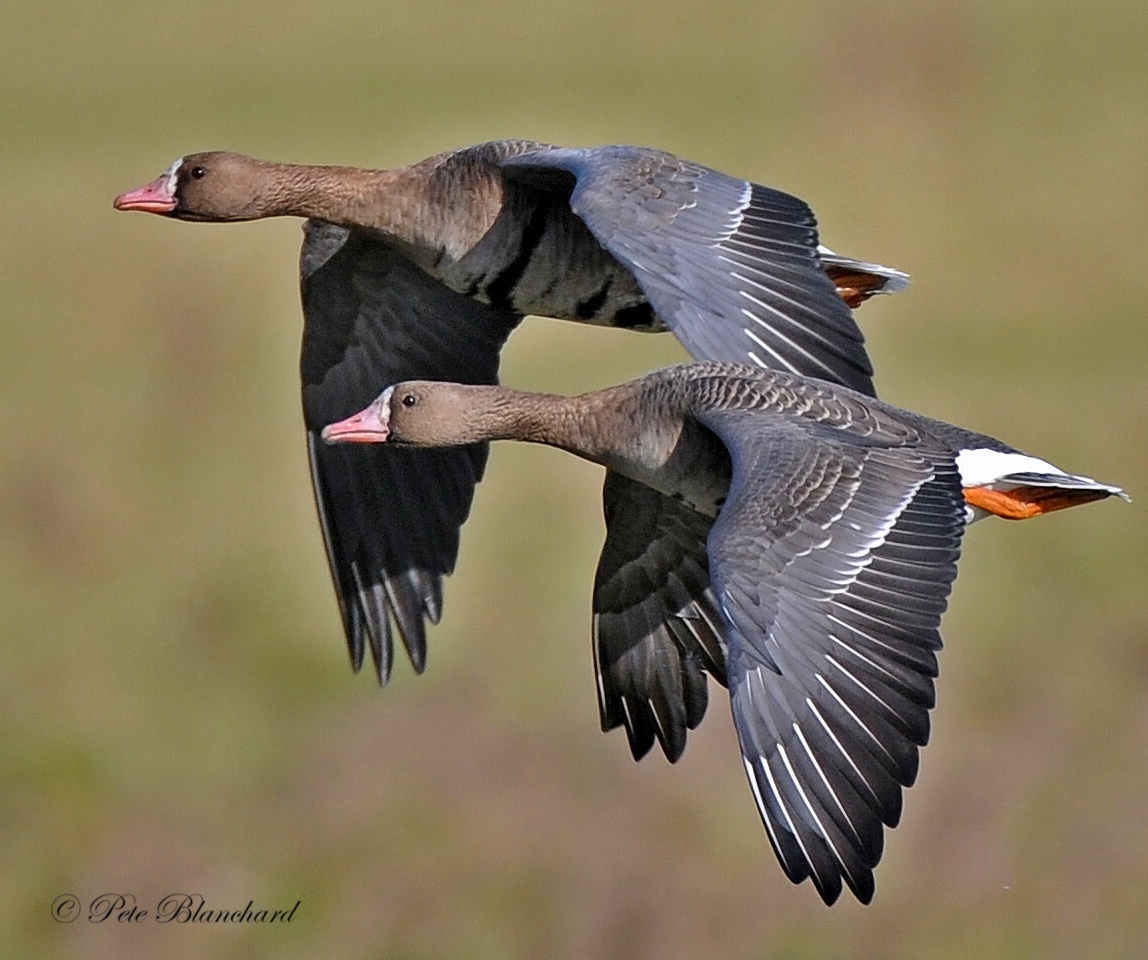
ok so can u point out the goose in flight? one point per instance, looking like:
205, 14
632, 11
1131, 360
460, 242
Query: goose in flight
826, 527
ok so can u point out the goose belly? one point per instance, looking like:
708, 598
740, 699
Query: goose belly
541, 259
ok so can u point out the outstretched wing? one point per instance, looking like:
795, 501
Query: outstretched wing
832, 560
390, 516
657, 628
731, 267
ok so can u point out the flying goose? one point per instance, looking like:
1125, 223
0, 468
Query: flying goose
423, 272
833, 524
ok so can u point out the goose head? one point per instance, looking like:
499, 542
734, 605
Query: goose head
214, 186
425, 413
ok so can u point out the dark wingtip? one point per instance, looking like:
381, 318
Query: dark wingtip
829, 889
674, 749
828, 897
418, 654
670, 731
639, 749
382, 667
355, 646
639, 732
864, 889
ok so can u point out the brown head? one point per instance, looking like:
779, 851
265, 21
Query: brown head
427, 413
213, 186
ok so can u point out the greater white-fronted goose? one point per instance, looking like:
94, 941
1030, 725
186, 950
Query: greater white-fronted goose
834, 523
425, 270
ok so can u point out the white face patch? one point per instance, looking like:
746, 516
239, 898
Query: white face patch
383, 408
170, 176
982, 468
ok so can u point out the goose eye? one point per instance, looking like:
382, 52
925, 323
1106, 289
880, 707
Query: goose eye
409, 400
198, 173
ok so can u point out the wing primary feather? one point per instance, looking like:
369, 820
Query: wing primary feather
856, 719
370, 598
822, 831
799, 733
792, 870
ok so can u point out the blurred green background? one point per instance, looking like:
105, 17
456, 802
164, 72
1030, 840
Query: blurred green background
176, 710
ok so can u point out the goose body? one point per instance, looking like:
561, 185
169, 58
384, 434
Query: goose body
423, 272
810, 574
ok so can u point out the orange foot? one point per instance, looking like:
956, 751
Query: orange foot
1024, 502
855, 288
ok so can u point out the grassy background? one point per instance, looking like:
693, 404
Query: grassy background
176, 712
